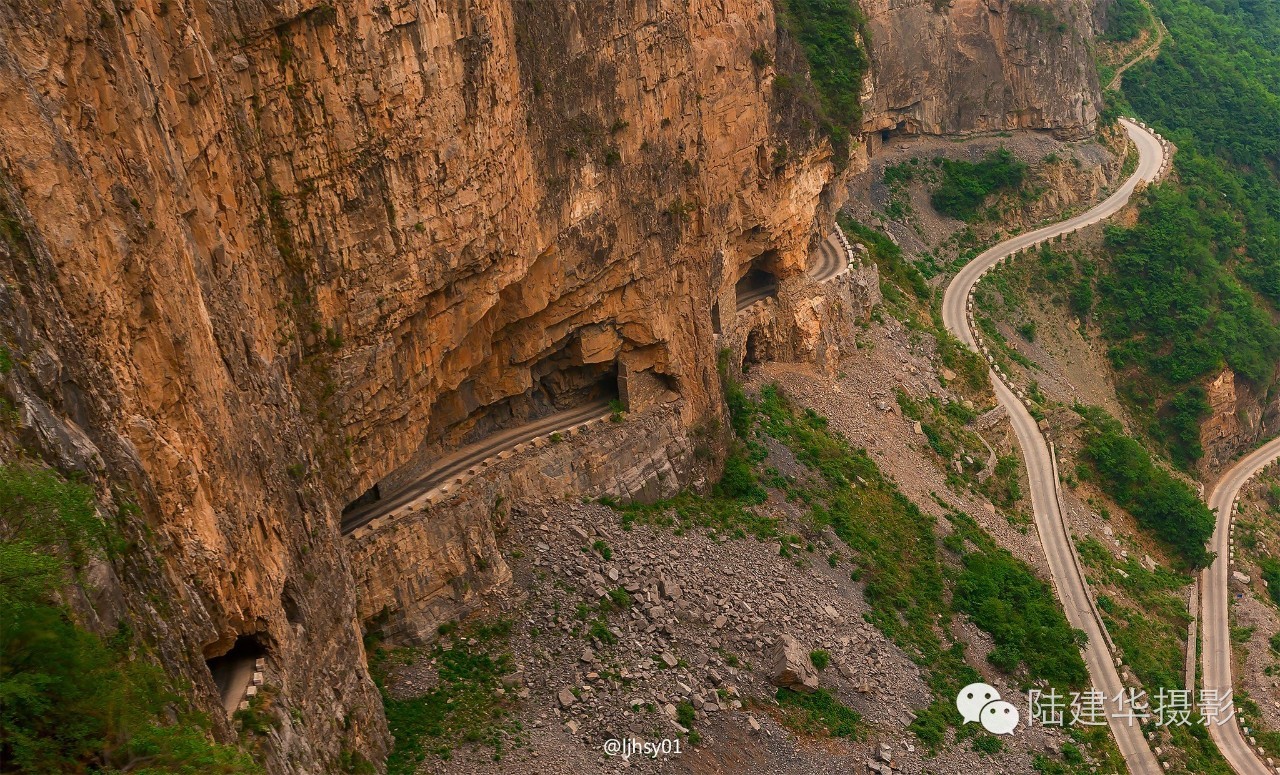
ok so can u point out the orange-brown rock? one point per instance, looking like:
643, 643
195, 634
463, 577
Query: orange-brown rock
980, 65
258, 256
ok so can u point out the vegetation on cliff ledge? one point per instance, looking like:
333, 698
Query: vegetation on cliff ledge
829, 31
71, 701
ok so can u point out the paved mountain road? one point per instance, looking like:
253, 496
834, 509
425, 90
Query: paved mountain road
1067, 577
1215, 593
466, 459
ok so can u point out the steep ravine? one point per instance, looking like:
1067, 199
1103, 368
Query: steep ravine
258, 258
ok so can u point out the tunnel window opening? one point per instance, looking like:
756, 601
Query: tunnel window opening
753, 354
759, 281
233, 672
370, 497
715, 318
289, 601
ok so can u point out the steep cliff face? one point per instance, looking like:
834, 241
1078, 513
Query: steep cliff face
980, 65
278, 252
258, 257
1241, 415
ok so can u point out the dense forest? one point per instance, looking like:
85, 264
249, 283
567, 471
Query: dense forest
1194, 286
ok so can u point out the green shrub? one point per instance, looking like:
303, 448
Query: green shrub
966, 185
988, 744
1167, 507
685, 714
739, 480
820, 659
1271, 574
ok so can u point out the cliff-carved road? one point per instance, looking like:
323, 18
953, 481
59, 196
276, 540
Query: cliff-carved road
468, 459
1215, 586
1067, 576
833, 259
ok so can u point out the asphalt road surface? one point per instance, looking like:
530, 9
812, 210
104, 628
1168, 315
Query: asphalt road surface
1215, 593
752, 295
832, 260
459, 462
1067, 578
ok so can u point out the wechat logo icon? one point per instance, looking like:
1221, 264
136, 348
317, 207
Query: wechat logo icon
981, 702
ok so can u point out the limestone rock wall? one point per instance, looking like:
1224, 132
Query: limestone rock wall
980, 65
258, 256
1241, 416
261, 255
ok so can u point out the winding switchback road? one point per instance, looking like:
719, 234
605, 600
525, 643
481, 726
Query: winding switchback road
1067, 576
1215, 586
833, 259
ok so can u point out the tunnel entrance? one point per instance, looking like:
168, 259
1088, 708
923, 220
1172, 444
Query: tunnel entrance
574, 382
715, 318
759, 281
233, 672
370, 497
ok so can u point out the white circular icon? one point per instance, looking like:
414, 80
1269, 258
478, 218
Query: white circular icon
973, 698
999, 717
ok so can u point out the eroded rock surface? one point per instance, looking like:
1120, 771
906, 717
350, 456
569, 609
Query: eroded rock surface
258, 257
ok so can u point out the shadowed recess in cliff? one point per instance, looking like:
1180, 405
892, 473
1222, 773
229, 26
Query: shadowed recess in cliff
575, 382
234, 672
759, 281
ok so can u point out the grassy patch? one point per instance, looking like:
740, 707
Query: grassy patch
463, 708
966, 185
818, 714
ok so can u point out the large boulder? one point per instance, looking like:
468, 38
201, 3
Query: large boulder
791, 667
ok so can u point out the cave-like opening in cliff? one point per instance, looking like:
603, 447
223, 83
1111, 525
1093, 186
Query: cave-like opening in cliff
715, 318
564, 385
575, 381
893, 131
367, 498
759, 281
753, 353
234, 670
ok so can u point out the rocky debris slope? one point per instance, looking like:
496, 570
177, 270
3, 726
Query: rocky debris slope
718, 624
